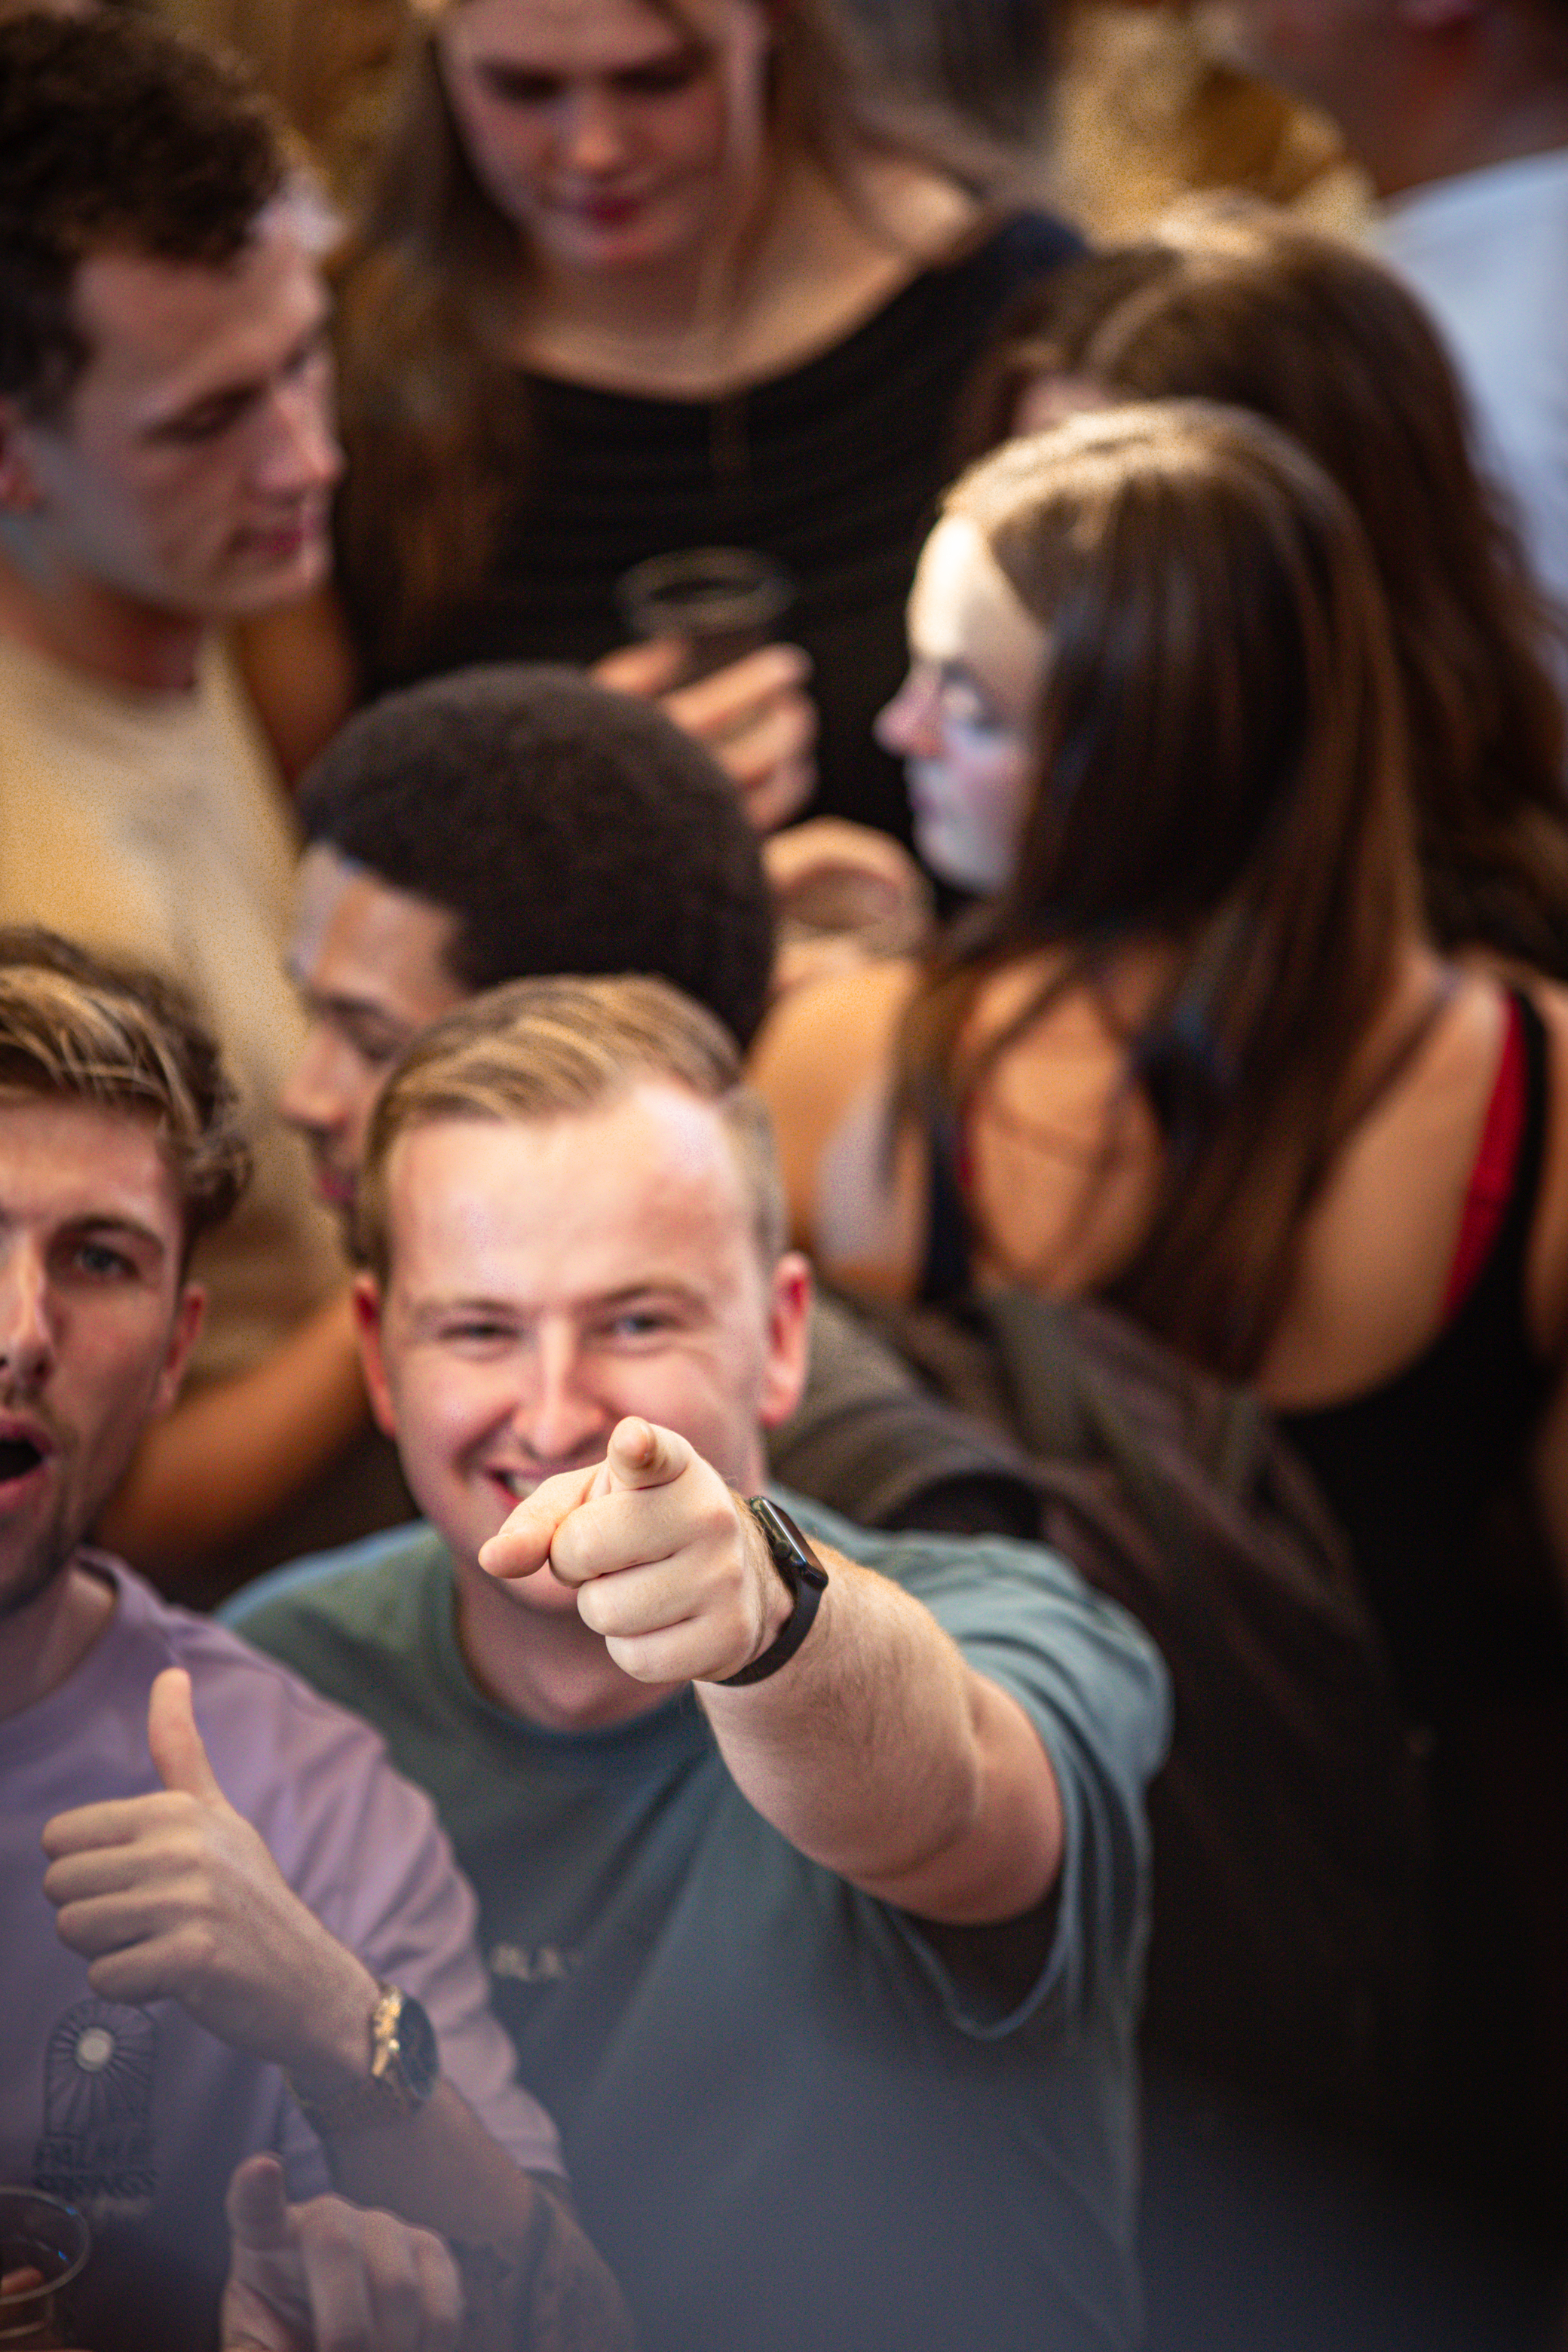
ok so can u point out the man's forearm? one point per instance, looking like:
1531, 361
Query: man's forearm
531, 2277
882, 1755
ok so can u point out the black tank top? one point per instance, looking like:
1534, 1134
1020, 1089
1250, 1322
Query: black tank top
1408, 1466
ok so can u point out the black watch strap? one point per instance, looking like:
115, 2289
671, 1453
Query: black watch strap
806, 1579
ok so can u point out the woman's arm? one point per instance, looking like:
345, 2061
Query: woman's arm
755, 717
301, 674
230, 1453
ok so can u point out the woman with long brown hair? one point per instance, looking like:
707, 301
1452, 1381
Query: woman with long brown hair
1233, 303
639, 276
1196, 1052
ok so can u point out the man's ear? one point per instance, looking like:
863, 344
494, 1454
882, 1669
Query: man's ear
19, 488
789, 1340
368, 1323
183, 1331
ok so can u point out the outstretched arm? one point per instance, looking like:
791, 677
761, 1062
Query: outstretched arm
175, 1897
877, 1750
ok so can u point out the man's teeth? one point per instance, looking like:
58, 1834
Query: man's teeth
515, 1483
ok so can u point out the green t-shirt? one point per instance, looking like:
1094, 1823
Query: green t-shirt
790, 2126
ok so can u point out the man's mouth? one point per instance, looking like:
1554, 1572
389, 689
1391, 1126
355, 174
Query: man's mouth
336, 1189
521, 1483
285, 536
19, 1457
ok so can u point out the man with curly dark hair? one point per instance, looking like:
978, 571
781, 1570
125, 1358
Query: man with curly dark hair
496, 823
166, 465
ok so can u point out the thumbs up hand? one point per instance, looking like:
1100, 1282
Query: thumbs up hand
669, 1564
175, 1897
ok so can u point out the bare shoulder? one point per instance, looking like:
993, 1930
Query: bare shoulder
821, 1043
824, 1066
930, 215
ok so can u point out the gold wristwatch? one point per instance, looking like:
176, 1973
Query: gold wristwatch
404, 2067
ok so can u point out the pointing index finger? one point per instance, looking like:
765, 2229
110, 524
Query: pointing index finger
522, 1546
640, 1453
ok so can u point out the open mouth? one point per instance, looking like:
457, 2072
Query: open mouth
18, 1455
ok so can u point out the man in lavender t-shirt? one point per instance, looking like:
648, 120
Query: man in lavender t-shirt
226, 1924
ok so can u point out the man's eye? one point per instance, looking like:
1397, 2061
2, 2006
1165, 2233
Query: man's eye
515, 88
661, 80
208, 423
478, 1342
376, 1048
100, 1262
638, 1323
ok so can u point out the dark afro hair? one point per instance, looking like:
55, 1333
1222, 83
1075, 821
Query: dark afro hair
567, 828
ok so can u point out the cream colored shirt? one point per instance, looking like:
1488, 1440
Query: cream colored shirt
153, 825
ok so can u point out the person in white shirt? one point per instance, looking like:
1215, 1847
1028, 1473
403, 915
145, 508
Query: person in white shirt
1458, 111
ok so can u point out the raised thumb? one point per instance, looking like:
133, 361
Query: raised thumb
173, 1740
258, 2206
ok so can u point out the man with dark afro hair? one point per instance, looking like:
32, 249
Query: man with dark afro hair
495, 824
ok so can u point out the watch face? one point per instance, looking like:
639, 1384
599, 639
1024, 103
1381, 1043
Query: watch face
418, 2059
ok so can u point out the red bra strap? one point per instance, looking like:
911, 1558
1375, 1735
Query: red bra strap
1491, 1178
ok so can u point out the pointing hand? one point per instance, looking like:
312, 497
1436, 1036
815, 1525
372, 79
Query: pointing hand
669, 1564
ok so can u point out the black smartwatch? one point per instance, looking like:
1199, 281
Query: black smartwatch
806, 1578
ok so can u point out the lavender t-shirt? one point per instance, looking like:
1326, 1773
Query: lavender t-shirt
138, 2116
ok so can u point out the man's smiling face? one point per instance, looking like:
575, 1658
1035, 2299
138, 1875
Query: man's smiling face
550, 1277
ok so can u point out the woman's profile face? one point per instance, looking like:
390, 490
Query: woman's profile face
614, 137
961, 720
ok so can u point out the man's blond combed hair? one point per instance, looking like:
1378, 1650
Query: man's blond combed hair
114, 1036
553, 1048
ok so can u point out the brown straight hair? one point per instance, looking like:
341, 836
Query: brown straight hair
432, 416
115, 1036
1236, 305
1219, 773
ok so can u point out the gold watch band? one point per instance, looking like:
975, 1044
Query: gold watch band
383, 2095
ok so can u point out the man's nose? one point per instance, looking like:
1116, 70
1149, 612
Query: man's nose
909, 725
319, 1095
561, 1420
299, 449
28, 1339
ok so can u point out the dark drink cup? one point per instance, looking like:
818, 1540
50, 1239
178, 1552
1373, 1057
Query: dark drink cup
724, 601
44, 2247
